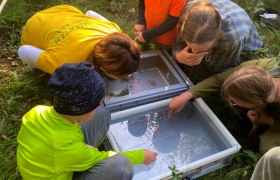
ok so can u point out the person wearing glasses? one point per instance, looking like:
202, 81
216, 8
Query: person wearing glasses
257, 90
259, 73
255, 86
214, 36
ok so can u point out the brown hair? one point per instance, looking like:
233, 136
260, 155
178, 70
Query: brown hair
201, 23
252, 85
116, 55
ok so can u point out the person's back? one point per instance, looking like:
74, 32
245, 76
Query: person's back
237, 26
65, 34
49, 146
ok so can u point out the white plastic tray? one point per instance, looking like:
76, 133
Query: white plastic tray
190, 140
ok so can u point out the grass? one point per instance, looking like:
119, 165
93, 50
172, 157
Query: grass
23, 87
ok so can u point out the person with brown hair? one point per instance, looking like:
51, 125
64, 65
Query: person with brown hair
63, 34
252, 88
255, 86
116, 55
212, 36
255, 89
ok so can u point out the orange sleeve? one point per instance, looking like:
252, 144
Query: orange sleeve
177, 7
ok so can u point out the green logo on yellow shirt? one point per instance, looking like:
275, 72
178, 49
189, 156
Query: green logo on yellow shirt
66, 29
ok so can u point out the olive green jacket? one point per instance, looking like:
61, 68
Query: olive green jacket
213, 84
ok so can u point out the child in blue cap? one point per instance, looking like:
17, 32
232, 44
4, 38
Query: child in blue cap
56, 141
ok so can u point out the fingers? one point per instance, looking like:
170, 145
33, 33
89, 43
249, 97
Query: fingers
150, 156
153, 156
187, 49
170, 112
194, 61
197, 58
175, 105
138, 28
140, 37
190, 59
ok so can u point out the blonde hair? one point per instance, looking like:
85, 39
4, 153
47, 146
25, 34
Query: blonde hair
201, 23
116, 55
252, 85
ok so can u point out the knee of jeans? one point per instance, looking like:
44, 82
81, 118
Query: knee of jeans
123, 167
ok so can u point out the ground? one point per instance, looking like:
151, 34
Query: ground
23, 87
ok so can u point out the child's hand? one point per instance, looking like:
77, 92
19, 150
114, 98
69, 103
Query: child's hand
150, 156
188, 58
140, 38
138, 28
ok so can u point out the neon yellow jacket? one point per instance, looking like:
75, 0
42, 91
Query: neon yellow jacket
66, 34
51, 147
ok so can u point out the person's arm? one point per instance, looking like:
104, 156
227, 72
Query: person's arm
141, 21
78, 156
213, 84
142, 156
202, 89
164, 27
168, 24
29, 54
210, 85
141, 13
135, 157
84, 157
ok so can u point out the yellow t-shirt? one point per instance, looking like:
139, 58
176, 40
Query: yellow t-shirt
66, 34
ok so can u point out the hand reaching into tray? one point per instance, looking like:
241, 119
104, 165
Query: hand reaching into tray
177, 103
150, 156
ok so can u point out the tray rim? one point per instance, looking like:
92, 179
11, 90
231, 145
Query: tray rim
199, 103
